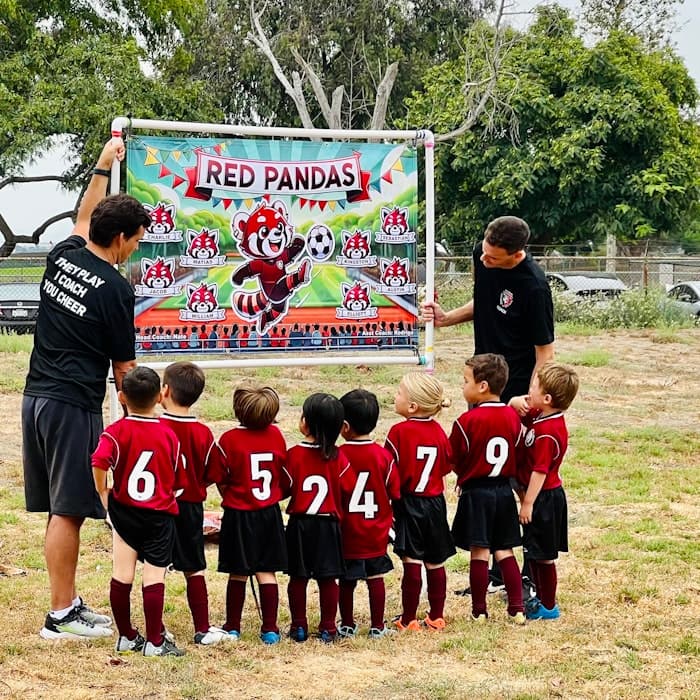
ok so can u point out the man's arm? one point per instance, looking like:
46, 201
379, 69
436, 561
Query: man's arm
432, 311
97, 187
543, 353
119, 369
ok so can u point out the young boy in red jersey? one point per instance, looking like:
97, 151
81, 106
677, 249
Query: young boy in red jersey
316, 473
367, 515
252, 533
422, 453
183, 383
484, 441
543, 511
144, 456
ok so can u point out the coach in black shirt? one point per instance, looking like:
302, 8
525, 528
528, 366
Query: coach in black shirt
85, 322
512, 306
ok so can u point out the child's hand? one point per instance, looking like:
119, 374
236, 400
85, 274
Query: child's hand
521, 404
526, 513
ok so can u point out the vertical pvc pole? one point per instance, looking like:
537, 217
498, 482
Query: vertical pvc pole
429, 143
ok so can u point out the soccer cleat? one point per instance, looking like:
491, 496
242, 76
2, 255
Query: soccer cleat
270, 637
378, 632
518, 618
90, 615
480, 619
413, 625
298, 634
327, 637
531, 604
438, 624
165, 648
213, 635
232, 635
72, 626
492, 588
167, 634
347, 631
542, 613
125, 645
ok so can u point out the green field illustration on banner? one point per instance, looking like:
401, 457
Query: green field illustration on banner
272, 240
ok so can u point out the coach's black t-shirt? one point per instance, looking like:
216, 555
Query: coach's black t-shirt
513, 312
86, 319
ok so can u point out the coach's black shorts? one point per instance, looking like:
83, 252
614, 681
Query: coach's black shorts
360, 569
422, 531
150, 533
58, 440
487, 516
252, 541
548, 533
315, 547
188, 547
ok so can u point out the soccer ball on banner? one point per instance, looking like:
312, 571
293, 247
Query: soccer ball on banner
320, 242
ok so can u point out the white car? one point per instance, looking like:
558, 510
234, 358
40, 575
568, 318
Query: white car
686, 296
596, 286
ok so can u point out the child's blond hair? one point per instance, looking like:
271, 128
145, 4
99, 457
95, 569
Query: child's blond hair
560, 382
426, 392
255, 407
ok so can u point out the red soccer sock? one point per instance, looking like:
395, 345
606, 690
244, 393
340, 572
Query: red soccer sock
346, 602
120, 600
411, 584
296, 592
328, 595
479, 583
269, 602
377, 601
437, 592
235, 597
198, 600
547, 592
153, 602
513, 583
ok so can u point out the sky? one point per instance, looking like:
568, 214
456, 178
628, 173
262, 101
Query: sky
27, 206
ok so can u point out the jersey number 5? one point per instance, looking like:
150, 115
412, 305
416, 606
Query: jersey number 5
262, 493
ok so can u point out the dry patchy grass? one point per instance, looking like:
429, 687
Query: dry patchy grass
628, 589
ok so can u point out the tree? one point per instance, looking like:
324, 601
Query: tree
345, 65
651, 21
68, 68
602, 143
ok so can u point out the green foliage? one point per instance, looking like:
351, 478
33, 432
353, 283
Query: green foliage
603, 143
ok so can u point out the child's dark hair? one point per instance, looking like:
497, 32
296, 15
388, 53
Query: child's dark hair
324, 418
186, 382
361, 410
490, 368
255, 407
141, 387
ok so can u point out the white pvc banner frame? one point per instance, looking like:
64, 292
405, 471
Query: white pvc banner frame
424, 136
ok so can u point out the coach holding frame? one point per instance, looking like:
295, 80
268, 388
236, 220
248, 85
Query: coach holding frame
86, 320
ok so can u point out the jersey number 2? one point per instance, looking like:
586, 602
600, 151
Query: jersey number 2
311, 483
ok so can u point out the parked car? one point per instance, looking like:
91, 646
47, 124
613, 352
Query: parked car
19, 306
686, 296
596, 286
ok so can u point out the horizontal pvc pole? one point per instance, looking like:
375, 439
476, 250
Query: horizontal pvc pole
378, 359
291, 132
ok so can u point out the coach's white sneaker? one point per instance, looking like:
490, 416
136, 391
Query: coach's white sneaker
72, 626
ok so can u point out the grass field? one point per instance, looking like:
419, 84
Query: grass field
629, 590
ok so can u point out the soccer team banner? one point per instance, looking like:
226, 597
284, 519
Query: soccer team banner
274, 244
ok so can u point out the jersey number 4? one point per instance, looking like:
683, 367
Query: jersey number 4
362, 501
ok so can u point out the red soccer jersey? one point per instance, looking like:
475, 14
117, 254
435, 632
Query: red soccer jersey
546, 441
367, 513
201, 457
144, 456
484, 442
253, 460
314, 483
422, 453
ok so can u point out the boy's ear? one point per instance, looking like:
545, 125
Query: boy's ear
164, 392
121, 398
547, 398
345, 429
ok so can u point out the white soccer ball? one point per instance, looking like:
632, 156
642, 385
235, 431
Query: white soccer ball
320, 242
